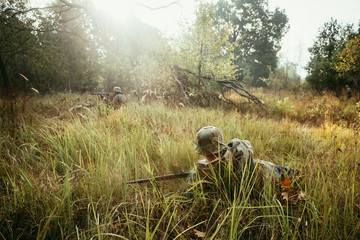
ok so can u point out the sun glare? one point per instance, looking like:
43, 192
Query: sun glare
117, 9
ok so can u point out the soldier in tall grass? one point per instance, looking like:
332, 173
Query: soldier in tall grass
227, 165
119, 98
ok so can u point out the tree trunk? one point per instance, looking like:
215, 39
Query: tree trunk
200, 66
5, 77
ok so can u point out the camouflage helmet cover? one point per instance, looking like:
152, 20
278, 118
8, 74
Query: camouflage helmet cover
209, 140
117, 89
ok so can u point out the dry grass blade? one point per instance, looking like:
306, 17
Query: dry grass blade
35, 90
24, 77
70, 171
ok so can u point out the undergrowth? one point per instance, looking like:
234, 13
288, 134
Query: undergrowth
64, 175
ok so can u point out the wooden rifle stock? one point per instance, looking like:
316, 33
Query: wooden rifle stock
162, 177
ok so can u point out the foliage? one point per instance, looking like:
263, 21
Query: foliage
71, 46
17, 43
52, 56
257, 32
152, 75
64, 175
67, 47
330, 41
285, 77
282, 107
207, 46
127, 48
302, 106
206, 54
349, 60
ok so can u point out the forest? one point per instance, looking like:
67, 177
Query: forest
67, 157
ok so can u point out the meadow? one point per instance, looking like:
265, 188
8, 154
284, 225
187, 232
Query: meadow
63, 175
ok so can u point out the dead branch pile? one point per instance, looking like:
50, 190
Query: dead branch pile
179, 75
237, 87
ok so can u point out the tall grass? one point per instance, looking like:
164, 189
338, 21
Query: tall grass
64, 176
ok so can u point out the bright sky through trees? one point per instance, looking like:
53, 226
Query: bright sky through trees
305, 18
118, 9
163, 14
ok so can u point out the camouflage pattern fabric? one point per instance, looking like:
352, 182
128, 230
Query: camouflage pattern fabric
209, 140
237, 152
119, 100
274, 172
240, 154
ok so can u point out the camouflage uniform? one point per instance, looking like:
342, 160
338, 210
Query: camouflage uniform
238, 153
119, 98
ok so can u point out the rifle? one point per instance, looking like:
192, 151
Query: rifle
101, 94
162, 177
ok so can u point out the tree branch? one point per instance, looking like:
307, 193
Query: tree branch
236, 86
160, 7
230, 84
18, 12
72, 5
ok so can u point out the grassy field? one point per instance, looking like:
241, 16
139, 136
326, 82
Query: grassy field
63, 175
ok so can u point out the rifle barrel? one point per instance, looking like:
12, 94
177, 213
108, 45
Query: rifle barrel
162, 177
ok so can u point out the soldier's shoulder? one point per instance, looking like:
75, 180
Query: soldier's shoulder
237, 145
240, 149
236, 142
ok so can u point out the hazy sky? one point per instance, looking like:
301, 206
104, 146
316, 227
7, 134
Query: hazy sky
305, 18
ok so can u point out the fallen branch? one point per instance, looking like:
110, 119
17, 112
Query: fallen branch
159, 7
229, 84
237, 87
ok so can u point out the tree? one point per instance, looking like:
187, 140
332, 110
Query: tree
127, 48
331, 39
51, 46
17, 42
208, 47
204, 55
349, 61
284, 77
257, 32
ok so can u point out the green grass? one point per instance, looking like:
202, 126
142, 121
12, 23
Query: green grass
63, 175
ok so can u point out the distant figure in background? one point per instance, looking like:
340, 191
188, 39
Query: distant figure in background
348, 91
119, 98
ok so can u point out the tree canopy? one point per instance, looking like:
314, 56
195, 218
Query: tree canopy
257, 32
71, 46
349, 61
325, 55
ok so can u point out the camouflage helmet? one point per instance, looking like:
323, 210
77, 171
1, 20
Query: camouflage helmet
209, 140
117, 89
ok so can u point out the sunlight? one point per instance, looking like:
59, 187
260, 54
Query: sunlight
158, 13
117, 9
